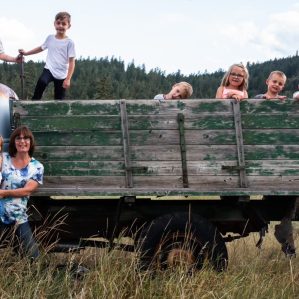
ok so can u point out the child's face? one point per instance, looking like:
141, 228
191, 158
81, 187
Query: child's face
236, 76
275, 84
62, 25
177, 92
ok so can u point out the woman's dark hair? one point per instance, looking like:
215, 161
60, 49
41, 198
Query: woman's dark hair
25, 131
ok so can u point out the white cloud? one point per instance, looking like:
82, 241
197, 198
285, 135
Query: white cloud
14, 31
280, 35
276, 37
16, 35
170, 34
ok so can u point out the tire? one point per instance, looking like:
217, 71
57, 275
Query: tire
172, 239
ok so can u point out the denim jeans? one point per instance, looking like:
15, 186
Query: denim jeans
45, 78
20, 237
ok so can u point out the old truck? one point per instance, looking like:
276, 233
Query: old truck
180, 177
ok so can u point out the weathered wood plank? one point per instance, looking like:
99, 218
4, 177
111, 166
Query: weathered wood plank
266, 152
196, 182
67, 124
166, 153
94, 122
191, 137
257, 107
163, 192
111, 107
271, 136
67, 108
75, 153
163, 137
276, 121
161, 122
137, 137
148, 107
160, 168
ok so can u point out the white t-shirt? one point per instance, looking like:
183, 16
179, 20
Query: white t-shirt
296, 95
59, 52
159, 97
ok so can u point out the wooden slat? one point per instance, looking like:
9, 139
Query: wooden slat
271, 136
162, 192
278, 121
240, 144
196, 182
183, 149
160, 168
166, 153
258, 107
188, 107
67, 108
94, 122
70, 123
126, 144
148, 107
162, 122
160, 137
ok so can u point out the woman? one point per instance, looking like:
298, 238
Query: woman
21, 175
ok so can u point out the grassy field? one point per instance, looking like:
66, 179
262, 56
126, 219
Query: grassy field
252, 273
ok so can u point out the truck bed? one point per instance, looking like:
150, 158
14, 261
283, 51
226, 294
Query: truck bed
186, 148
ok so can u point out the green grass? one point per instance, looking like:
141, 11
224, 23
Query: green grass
252, 273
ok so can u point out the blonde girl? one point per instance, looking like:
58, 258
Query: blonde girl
234, 83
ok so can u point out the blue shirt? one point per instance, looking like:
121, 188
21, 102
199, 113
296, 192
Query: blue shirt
14, 209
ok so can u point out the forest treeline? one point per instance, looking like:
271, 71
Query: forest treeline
111, 78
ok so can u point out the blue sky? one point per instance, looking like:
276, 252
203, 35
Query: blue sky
187, 35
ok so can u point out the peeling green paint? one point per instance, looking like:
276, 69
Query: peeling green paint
83, 139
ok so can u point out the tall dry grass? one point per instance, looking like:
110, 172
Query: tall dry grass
252, 273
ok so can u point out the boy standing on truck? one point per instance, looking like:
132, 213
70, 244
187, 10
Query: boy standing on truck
181, 90
60, 62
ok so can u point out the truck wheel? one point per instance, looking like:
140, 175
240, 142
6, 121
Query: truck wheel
173, 240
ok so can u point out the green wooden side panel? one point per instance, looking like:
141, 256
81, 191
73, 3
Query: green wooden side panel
67, 108
166, 153
80, 138
69, 123
93, 122
256, 106
275, 121
81, 145
148, 107
270, 137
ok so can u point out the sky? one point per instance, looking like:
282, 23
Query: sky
192, 36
